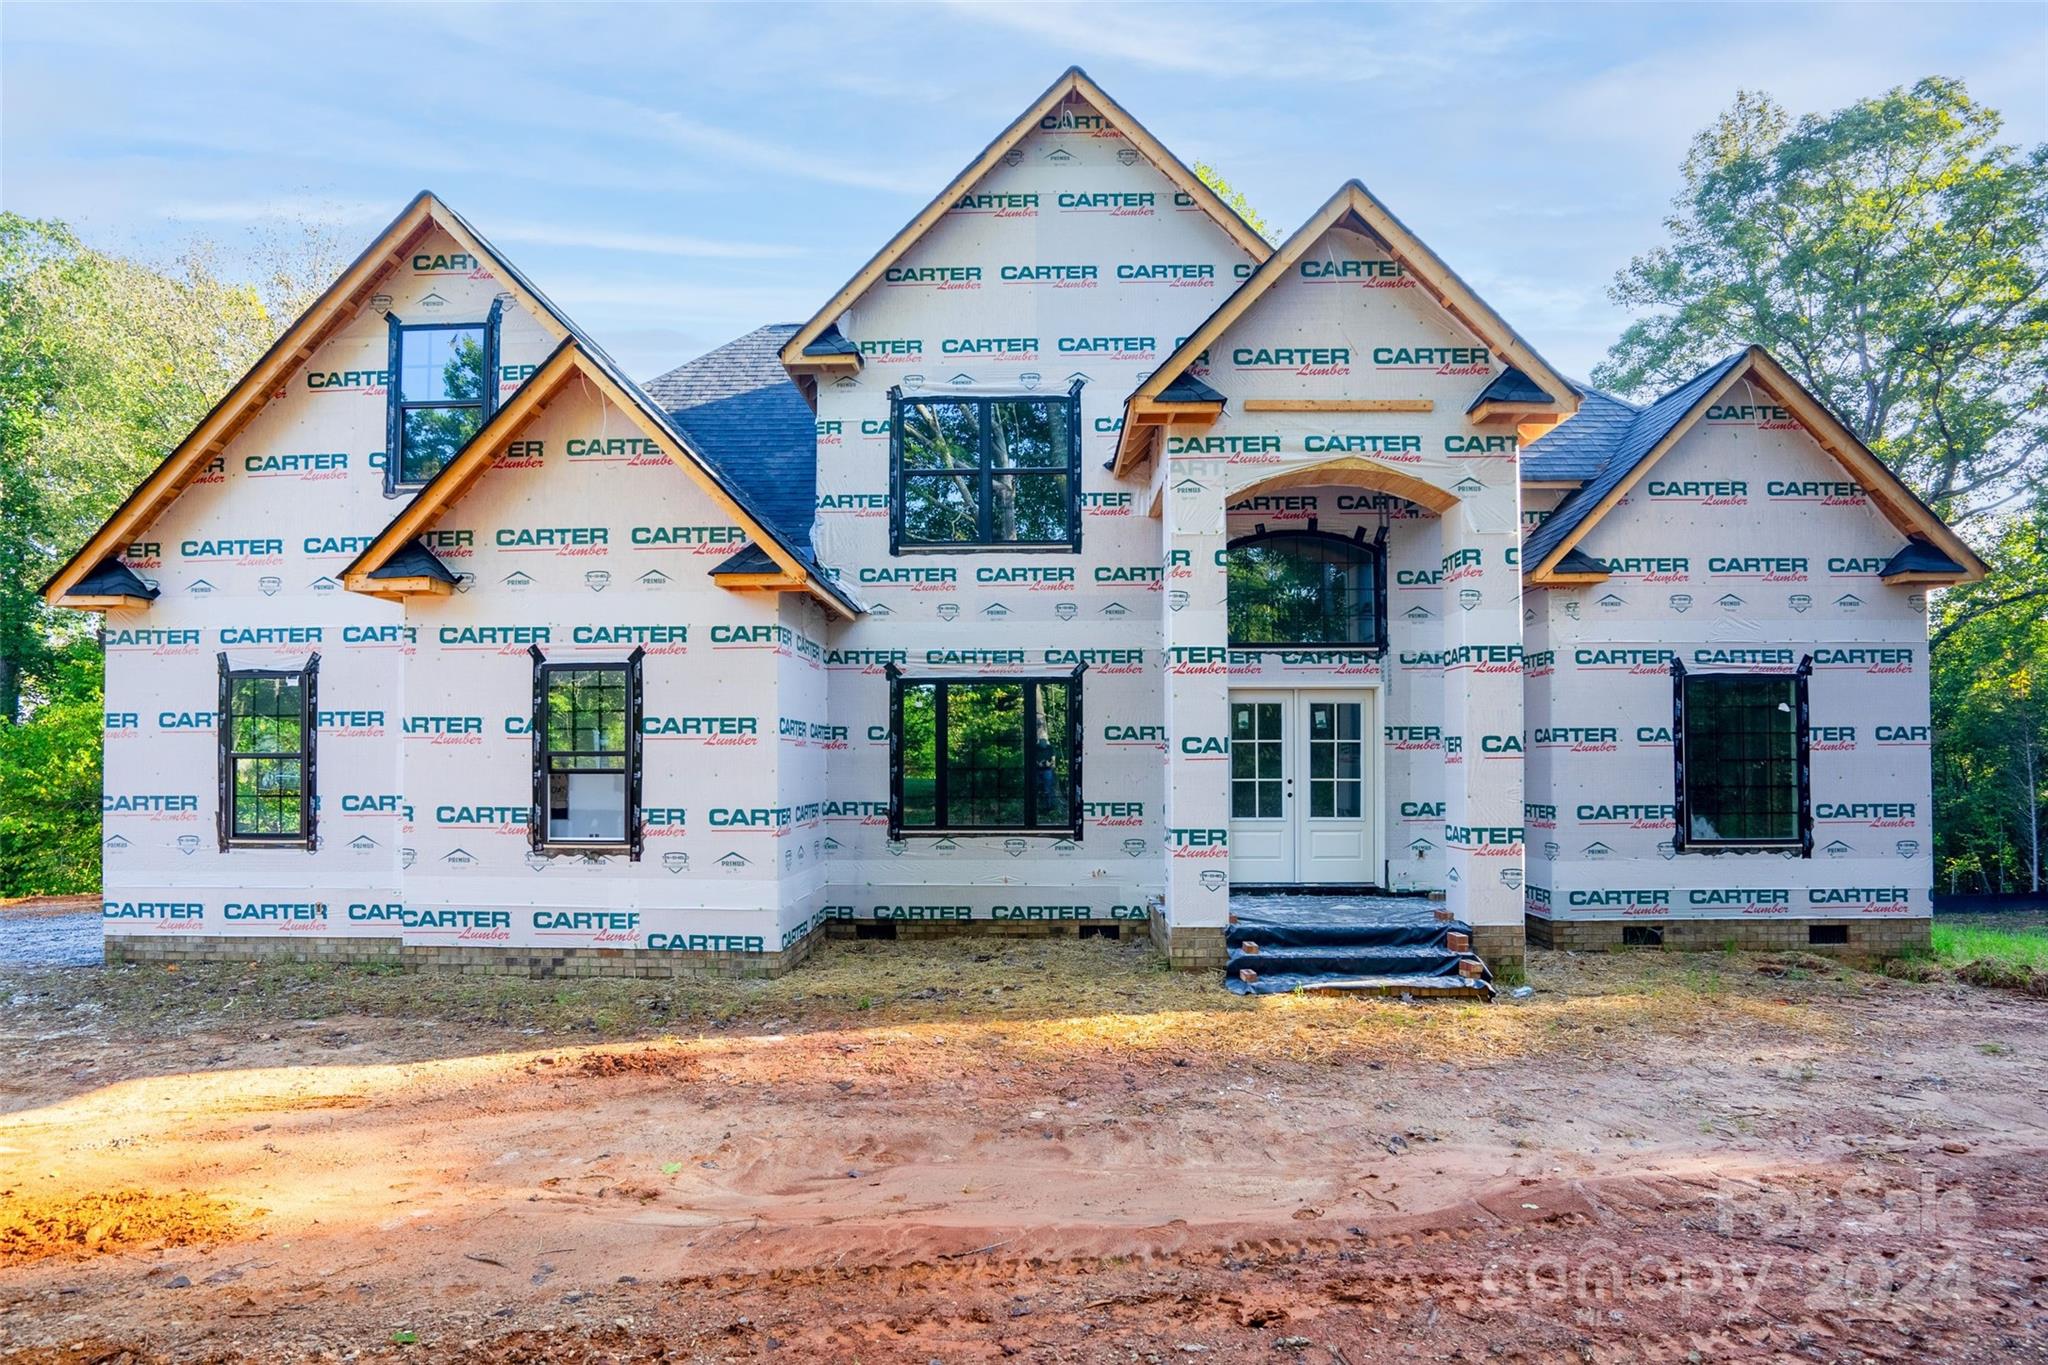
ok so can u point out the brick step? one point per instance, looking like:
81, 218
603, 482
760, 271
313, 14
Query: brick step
1305, 933
1417, 987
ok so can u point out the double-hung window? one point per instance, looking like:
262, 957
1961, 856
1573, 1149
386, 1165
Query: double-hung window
985, 755
586, 755
266, 727
985, 473
442, 386
1742, 775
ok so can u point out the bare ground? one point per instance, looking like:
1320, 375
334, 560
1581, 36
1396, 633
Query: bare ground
1044, 1152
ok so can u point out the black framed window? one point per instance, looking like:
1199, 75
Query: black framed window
442, 386
1306, 589
986, 755
985, 473
1742, 774
586, 754
266, 728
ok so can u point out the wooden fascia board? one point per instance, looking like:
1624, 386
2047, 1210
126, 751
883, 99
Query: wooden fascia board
1559, 485
758, 580
1338, 405
1929, 576
104, 602
241, 404
1543, 572
1176, 414
395, 588
1496, 411
1073, 81
824, 364
1563, 580
1901, 507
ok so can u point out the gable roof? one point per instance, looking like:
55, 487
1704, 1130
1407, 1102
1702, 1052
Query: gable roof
803, 351
336, 307
743, 414
1633, 446
795, 567
1353, 206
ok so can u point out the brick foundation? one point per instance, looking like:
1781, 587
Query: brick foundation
1190, 948
477, 960
1500, 945
1867, 937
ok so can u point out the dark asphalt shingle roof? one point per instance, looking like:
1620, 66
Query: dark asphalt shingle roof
112, 579
1920, 557
1577, 447
1188, 389
738, 408
1625, 448
1510, 386
414, 561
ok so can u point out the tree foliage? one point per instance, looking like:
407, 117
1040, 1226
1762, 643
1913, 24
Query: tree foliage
1894, 256
106, 362
1238, 204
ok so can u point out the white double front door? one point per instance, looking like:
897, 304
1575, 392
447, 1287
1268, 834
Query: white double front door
1304, 799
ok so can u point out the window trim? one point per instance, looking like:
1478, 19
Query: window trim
1375, 549
899, 544
1681, 841
537, 835
307, 838
1076, 740
394, 384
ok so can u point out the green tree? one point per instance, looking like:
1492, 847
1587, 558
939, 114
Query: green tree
105, 364
1234, 197
1894, 256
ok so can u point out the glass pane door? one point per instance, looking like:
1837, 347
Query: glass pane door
1336, 761
1257, 765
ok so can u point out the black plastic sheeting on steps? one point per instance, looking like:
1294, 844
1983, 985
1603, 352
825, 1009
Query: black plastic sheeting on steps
1353, 959
1286, 984
1362, 944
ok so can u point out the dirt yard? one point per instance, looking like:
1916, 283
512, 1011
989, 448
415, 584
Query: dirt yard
1047, 1152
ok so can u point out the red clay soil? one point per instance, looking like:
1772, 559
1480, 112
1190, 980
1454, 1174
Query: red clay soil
1833, 1172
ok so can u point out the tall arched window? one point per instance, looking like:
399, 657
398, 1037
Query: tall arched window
1306, 589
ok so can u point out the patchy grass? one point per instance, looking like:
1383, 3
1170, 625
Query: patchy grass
1983, 952
1046, 999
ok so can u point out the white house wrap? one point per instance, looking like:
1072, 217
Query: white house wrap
1084, 559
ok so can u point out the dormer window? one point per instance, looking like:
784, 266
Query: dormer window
442, 385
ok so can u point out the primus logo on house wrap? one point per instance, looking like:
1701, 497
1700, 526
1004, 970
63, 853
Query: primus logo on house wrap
154, 912
1447, 360
1750, 900
1059, 276
934, 276
1115, 204
998, 205
1175, 274
242, 549
347, 381
155, 805
1018, 346
1623, 660
1875, 814
1628, 900
1769, 416
614, 449
701, 539
1869, 900
1308, 360
1110, 348
668, 639
1651, 569
1372, 274
1707, 492
726, 730
321, 466
1866, 658
1827, 492
1579, 739
1632, 815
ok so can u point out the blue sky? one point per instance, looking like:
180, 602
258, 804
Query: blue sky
674, 176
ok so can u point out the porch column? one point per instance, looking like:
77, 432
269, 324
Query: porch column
1197, 687
1483, 737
